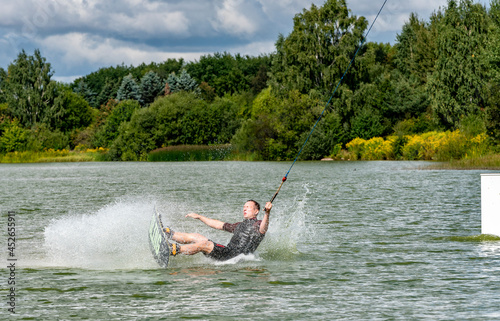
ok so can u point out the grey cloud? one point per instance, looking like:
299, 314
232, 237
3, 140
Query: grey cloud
79, 36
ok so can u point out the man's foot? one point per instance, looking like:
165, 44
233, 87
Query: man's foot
174, 248
169, 232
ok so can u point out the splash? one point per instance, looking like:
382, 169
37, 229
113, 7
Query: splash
287, 228
238, 259
115, 237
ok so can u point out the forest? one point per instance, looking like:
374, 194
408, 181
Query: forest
436, 89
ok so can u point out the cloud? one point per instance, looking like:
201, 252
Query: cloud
232, 19
255, 48
80, 36
79, 48
146, 24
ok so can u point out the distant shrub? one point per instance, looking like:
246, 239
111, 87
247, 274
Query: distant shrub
377, 148
14, 137
453, 145
190, 153
355, 148
440, 146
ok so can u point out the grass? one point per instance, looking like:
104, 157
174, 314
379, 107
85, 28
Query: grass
210, 153
51, 156
190, 153
490, 162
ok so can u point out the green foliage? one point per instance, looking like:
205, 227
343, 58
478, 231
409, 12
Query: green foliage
442, 74
29, 90
492, 55
43, 138
129, 89
190, 153
207, 92
108, 92
493, 113
328, 135
70, 111
83, 89
228, 74
3, 84
178, 119
318, 50
183, 82
473, 125
276, 124
109, 130
151, 87
106, 81
13, 138
367, 123
459, 79
416, 48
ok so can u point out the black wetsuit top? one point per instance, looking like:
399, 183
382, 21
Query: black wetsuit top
245, 240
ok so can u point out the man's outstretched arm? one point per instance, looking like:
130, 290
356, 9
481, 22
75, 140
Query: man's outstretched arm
264, 225
216, 224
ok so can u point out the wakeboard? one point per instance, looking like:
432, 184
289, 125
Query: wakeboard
158, 240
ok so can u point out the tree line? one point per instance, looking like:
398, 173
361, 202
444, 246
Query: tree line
442, 74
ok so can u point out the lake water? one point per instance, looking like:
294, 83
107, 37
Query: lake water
347, 241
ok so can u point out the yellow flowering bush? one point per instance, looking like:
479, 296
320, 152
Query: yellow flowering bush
441, 146
412, 149
377, 148
355, 147
478, 146
432, 143
453, 145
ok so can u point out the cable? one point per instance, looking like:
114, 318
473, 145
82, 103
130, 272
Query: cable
329, 100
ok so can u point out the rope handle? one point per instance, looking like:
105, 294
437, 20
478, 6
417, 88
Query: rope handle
276, 194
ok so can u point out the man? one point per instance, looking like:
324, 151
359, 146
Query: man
247, 235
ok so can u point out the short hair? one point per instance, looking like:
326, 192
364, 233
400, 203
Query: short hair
257, 205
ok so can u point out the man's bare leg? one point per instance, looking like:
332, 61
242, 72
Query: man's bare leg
193, 243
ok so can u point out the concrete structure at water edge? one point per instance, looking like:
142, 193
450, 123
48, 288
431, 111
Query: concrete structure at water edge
490, 204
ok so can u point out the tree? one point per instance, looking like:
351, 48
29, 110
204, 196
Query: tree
229, 74
3, 83
109, 130
318, 50
87, 93
493, 47
458, 83
69, 111
151, 87
29, 90
179, 118
13, 138
493, 62
129, 89
108, 92
416, 48
276, 124
182, 82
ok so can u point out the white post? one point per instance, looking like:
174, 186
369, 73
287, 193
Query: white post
490, 204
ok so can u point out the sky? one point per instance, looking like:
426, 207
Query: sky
78, 37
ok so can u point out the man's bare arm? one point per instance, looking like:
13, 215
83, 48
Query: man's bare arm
264, 225
216, 224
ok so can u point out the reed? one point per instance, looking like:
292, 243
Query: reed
490, 162
51, 156
190, 153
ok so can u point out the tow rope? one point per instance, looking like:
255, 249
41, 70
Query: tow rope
283, 180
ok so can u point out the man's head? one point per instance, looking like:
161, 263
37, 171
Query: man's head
251, 209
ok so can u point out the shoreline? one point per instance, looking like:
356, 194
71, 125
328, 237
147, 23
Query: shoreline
489, 162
